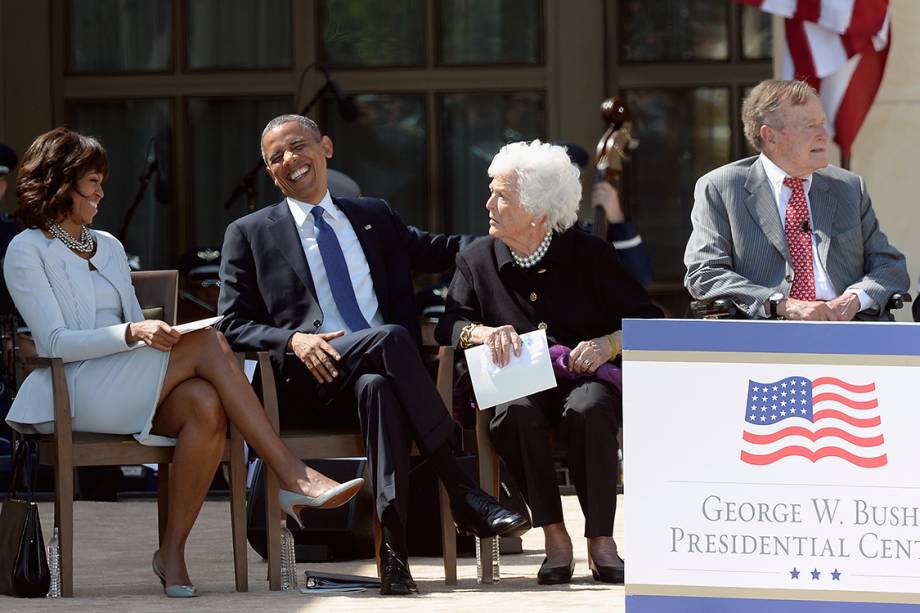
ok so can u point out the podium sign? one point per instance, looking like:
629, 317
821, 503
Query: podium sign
771, 466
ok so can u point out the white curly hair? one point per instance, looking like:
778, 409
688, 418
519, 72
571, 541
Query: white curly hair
546, 180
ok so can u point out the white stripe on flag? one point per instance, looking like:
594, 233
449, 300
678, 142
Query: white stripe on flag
836, 14
833, 88
827, 51
786, 8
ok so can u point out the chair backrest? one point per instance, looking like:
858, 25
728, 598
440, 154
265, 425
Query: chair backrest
157, 288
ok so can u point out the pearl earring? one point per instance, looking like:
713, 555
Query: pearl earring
533, 224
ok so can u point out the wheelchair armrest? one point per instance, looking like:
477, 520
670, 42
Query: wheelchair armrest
897, 300
720, 308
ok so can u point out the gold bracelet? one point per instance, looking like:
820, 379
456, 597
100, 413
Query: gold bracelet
616, 344
465, 332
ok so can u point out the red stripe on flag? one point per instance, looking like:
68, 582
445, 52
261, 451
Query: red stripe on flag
808, 10
869, 422
803, 64
765, 439
860, 93
869, 387
867, 17
853, 404
824, 452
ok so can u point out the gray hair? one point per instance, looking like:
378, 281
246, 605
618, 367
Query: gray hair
762, 103
547, 182
280, 120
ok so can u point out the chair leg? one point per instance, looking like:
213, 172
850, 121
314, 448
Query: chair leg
448, 537
488, 481
162, 499
272, 529
378, 539
63, 520
238, 510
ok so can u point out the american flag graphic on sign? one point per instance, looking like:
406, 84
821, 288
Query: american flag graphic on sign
813, 419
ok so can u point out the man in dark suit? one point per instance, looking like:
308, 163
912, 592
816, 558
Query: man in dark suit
325, 285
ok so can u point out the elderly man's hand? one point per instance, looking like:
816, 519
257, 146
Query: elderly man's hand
806, 310
845, 306
587, 356
317, 354
501, 341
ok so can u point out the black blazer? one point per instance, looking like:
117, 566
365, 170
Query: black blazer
578, 291
267, 291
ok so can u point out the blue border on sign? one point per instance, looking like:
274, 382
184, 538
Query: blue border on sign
861, 338
705, 604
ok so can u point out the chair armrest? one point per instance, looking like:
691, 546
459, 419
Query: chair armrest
720, 308
42, 362
897, 301
267, 382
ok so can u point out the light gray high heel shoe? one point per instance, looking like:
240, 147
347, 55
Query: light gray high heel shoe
171, 591
330, 499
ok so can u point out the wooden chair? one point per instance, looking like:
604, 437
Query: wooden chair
67, 450
488, 461
312, 443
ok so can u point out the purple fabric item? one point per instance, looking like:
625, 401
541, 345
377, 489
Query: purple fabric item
559, 356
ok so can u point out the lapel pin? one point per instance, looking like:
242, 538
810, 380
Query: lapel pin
367, 227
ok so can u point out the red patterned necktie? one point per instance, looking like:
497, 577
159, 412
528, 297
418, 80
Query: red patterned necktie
798, 238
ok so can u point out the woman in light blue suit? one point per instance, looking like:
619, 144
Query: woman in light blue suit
125, 374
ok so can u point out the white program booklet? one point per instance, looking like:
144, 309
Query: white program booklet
197, 325
526, 374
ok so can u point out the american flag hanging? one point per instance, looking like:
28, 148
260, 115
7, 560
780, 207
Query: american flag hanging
813, 419
840, 48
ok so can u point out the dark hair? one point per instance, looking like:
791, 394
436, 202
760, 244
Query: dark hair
50, 168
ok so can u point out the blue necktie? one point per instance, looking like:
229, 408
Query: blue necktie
337, 272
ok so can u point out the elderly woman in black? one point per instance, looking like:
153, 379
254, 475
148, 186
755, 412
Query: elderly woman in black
535, 270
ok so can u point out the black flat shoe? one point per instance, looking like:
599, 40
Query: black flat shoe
395, 578
555, 575
482, 516
608, 574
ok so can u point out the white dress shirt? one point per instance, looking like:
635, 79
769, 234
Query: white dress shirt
358, 269
824, 289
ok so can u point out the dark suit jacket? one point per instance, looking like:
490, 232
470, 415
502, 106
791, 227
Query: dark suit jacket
267, 291
578, 291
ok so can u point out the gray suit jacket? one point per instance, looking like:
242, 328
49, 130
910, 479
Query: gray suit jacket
738, 248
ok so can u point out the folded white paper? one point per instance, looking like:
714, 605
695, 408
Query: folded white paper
197, 325
526, 374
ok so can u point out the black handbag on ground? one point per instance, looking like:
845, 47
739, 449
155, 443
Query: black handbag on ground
319, 580
23, 562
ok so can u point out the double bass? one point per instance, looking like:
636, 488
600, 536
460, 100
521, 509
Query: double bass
612, 151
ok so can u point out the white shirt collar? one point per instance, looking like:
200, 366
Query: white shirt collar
776, 175
301, 210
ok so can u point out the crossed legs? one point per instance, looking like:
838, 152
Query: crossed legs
204, 388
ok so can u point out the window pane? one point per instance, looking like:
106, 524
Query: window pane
384, 151
150, 124
225, 145
120, 35
756, 34
491, 32
682, 135
373, 33
475, 126
239, 34
668, 30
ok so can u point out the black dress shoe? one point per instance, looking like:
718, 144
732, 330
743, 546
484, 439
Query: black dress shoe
395, 578
555, 575
609, 574
482, 516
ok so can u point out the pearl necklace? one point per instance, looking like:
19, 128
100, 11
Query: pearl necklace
536, 256
85, 245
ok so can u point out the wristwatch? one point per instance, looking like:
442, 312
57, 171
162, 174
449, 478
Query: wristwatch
773, 302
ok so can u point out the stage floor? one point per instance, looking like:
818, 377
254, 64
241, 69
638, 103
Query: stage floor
114, 543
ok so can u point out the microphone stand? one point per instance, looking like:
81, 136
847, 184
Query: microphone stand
144, 180
247, 183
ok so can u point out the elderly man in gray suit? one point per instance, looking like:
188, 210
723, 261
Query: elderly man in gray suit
783, 234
